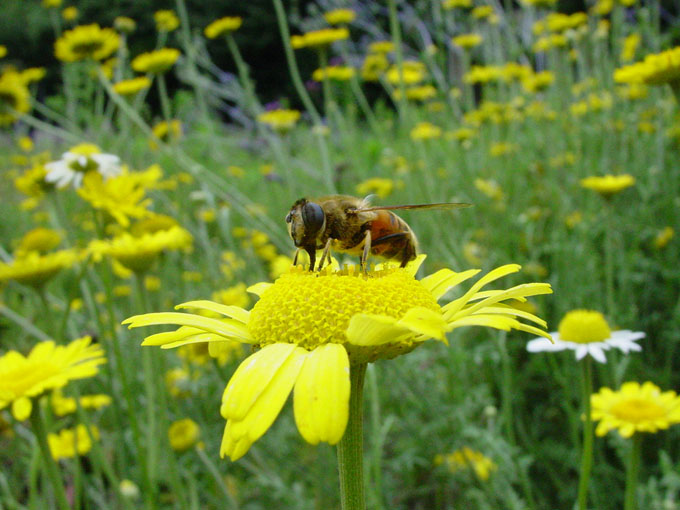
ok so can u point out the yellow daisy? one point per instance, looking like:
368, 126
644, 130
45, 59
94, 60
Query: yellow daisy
132, 86
166, 20
608, 185
14, 97
71, 442
339, 16
634, 408
124, 24
183, 434
280, 119
39, 239
655, 69
317, 38
467, 40
46, 367
156, 62
222, 26
309, 328
36, 270
467, 458
86, 41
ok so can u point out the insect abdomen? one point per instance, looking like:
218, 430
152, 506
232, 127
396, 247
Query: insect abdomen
392, 238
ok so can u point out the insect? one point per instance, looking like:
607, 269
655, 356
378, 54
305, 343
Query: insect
351, 225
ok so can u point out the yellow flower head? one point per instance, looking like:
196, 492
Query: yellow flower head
381, 47
373, 66
467, 458
36, 270
453, 4
425, 131
584, 326
124, 24
317, 38
482, 12
47, 366
32, 75
340, 16
381, 186
467, 41
536, 82
183, 434
411, 73
608, 185
3, 51
309, 329
61, 405
166, 132
14, 97
139, 253
166, 20
156, 62
279, 120
132, 86
222, 26
39, 240
86, 42
337, 73
51, 4
70, 13
655, 69
121, 197
634, 408
663, 237
69, 443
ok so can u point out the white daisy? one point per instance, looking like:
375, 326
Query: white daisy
586, 332
79, 160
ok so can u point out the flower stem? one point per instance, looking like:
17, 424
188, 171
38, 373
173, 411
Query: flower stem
632, 470
587, 450
351, 447
38, 424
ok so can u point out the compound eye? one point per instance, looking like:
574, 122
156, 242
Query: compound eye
313, 217
289, 217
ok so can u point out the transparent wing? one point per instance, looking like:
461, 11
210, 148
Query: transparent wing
441, 205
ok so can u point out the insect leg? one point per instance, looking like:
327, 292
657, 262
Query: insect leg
367, 250
312, 257
325, 254
297, 252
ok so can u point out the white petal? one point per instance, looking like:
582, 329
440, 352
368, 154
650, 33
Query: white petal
597, 352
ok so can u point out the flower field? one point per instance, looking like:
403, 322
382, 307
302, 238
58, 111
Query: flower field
186, 317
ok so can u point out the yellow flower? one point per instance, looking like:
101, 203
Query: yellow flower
373, 66
280, 119
467, 40
86, 42
40, 239
139, 253
537, 82
490, 188
634, 408
132, 86
124, 24
25, 143
3, 50
36, 270
339, 16
47, 366
630, 46
222, 26
467, 458
548, 42
70, 13
51, 4
236, 295
69, 442
14, 97
663, 237
381, 47
61, 405
156, 62
539, 3
32, 184
32, 75
177, 382
77, 162
316, 38
121, 197
425, 131
381, 186
453, 4
337, 73
608, 185
166, 20
411, 72
183, 434
310, 327
655, 69
502, 149
481, 12
166, 132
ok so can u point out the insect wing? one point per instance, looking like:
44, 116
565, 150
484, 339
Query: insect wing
441, 205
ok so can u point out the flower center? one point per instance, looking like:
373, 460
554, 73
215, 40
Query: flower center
87, 48
584, 327
637, 410
8, 101
310, 309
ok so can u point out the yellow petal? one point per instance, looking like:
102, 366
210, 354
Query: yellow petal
228, 329
425, 322
442, 281
497, 273
252, 378
21, 408
234, 448
321, 396
259, 288
372, 329
235, 312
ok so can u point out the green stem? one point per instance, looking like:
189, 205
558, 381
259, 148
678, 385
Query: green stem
38, 424
165, 100
395, 31
351, 447
587, 454
632, 471
609, 261
252, 105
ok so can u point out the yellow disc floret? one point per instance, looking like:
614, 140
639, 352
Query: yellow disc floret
584, 327
309, 309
